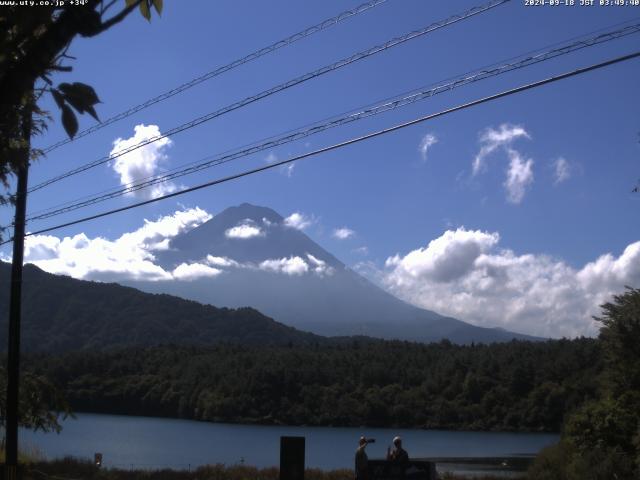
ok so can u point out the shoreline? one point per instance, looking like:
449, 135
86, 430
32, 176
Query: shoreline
258, 423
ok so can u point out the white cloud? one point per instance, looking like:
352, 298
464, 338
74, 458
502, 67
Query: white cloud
128, 257
154, 235
445, 259
221, 261
491, 139
519, 177
562, 170
343, 233
290, 266
131, 256
463, 274
243, 231
363, 250
427, 141
193, 271
319, 266
143, 162
271, 158
299, 221
286, 169
370, 270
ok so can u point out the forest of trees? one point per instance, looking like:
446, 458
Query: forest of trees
601, 439
518, 386
61, 313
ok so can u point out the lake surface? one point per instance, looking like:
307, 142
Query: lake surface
144, 442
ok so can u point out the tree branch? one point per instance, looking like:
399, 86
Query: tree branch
115, 19
108, 6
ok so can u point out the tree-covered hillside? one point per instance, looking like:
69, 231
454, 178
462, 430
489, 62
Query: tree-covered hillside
62, 314
510, 386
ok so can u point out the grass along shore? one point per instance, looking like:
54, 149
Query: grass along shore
75, 469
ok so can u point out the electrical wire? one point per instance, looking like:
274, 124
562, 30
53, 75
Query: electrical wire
278, 88
345, 143
365, 112
330, 22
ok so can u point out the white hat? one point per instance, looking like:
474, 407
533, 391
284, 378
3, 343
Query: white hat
397, 440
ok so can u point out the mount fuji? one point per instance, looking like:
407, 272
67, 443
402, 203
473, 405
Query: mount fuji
248, 256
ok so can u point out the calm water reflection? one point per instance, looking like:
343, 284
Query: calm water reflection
144, 442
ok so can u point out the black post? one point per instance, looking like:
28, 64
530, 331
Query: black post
292, 458
13, 362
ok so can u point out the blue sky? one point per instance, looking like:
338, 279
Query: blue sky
570, 149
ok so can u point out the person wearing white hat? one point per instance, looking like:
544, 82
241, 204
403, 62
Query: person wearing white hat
398, 454
362, 461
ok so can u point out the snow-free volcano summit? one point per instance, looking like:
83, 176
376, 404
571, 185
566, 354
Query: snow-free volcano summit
250, 256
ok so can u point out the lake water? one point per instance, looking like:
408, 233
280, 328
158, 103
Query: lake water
144, 442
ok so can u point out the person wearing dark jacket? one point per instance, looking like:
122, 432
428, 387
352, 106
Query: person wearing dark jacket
398, 454
362, 461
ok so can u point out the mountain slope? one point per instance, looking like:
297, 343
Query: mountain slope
266, 264
62, 314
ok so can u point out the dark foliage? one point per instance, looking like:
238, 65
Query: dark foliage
61, 313
601, 439
525, 386
40, 404
33, 45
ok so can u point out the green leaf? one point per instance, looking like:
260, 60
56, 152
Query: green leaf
130, 2
145, 10
57, 96
92, 111
158, 4
80, 96
83, 92
69, 121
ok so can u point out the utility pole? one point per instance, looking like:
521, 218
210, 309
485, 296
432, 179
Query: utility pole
15, 305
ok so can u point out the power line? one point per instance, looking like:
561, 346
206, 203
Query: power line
365, 112
330, 22
352, 141
283, 86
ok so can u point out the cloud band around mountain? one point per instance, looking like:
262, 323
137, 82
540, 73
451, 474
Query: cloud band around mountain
462, 273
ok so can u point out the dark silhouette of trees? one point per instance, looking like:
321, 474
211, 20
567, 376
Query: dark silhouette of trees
41, 404
601, 439
430, 386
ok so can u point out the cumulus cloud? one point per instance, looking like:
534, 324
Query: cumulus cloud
155, 235
319, 266
128, 257
298, 220
343, 233
464, 274
561, 171
519, 177
491, 139
445, 259
290, 266
244, 230
143, 162
221, 261
194, 271
131, 256
427, 141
